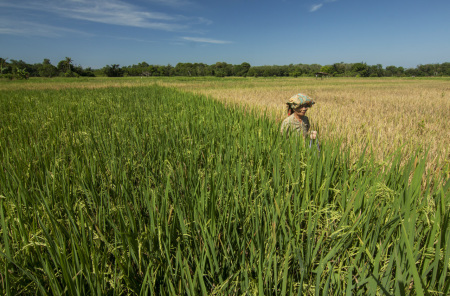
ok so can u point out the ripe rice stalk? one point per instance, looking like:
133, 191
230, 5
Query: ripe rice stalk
386, 114
150, 190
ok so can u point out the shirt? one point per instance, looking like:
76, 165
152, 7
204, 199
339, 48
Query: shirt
292, 125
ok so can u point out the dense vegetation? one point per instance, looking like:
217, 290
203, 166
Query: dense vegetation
18, 69
377, 114
148, 190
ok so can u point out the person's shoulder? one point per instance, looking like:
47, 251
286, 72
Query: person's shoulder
286, 123
290, 118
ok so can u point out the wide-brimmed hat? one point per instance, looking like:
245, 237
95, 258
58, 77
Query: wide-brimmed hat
299, 99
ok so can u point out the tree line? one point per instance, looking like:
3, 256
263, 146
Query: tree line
18, 69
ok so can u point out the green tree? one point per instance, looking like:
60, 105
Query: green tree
411, 72
394, 71
222, 69
65, 67
46, 69
79, 71
68, 64
3, 66
339, 68
185, 69
361, 69
391, 71
113, 71
327, 69
200, 69
295, 73
445, 69
376, 71
241, 70
21, 73
161, 71
19, 66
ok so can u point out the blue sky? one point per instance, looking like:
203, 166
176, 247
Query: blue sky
96, 33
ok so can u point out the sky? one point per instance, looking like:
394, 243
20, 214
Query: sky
96, 33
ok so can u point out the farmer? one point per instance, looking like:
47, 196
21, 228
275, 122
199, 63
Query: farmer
297, 123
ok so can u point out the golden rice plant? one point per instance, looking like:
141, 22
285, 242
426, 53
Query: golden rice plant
383, 115
147, 190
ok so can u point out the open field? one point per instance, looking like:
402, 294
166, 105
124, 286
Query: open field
113, 187
384, 114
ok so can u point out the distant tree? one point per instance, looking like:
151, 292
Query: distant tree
68, 64
222, 69
391, 71
185, 69
141, 69
219, 69
445, 69
411, 72
429, 69
357, 67
313, 68
242, 69
295, 73
3, 65
257, 71
21, 73
152, 70
394, 71
18, 67
376, 71
267, 72
46, 69
339, 68
113, 71
200, 69
168, 70
79, 71
89, 72
161, 71
65, 67
60, 66
328, 69
361, 69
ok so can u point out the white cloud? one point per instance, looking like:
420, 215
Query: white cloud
134, 39
202, 20
173, 3
205, 40
320, 5
316, 7
113, 12
10, 26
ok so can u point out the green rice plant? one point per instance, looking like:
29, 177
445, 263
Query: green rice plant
152, 191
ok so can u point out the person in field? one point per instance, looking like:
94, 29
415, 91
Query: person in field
298, 123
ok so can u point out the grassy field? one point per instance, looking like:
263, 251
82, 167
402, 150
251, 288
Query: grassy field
113, 187
382, 114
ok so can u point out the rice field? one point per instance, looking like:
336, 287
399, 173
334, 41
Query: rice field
381, 115
143, 189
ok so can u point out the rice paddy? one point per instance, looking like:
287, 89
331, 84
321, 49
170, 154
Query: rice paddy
144, 189
382, 115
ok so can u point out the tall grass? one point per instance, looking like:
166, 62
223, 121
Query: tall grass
384, 114
152, 191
